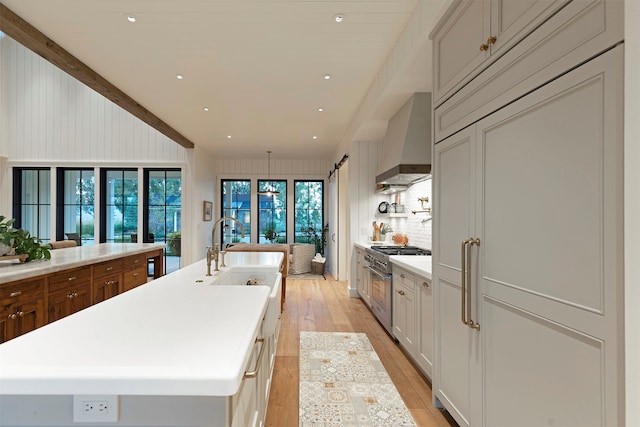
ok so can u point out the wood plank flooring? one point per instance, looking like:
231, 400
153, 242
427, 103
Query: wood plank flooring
324, 305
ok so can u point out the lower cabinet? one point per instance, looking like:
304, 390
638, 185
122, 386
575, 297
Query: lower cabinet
21, 308
248, 407
362, 276
413, 317
69, 292
424, 343
404, 309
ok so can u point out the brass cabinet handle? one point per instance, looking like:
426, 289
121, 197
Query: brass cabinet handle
401, 292
12, 316
72, 278
402, 275
20, 313
72, 295
15, 294
135, 274
491, 40
136, 261
109, 268
254, 373
484, 47
425, 284
466, 296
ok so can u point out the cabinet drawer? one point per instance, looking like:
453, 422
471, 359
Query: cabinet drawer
404, 278
107, 268
21, 290
133, 278
69, 278
135, 261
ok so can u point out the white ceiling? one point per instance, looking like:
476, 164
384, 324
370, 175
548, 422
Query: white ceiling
257, 65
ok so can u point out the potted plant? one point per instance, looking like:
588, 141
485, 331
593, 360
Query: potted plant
174, 243
319, 238
270, 234
384, 229
21, 242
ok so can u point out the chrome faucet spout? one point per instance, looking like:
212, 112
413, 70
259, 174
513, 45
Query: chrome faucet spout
213, 251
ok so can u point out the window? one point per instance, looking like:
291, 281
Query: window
32, 201
119, 205
272, 212
75, 188
163, 213
236, 203
308, 212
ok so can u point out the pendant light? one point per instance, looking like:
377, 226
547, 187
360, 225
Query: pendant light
270, 191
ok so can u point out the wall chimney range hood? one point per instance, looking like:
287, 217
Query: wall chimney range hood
404, 156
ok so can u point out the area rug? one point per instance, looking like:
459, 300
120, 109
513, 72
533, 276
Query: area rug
343, 383
306, 276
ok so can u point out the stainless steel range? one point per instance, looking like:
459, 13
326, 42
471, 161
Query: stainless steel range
381, 278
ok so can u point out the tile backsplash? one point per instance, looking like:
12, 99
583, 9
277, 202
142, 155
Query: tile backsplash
417, 227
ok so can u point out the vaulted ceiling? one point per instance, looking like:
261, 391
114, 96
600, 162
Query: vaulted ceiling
258, 66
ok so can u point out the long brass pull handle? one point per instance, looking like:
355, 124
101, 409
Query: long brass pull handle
470, 321
72, 278
463, 281
254, 373
15, 294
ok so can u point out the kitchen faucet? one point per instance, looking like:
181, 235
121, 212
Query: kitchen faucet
213, 251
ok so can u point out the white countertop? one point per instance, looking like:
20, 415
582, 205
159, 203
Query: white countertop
63, 259
176, 335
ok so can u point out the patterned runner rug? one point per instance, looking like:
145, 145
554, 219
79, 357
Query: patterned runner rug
343, 383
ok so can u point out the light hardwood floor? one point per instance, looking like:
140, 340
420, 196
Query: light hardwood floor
319, 305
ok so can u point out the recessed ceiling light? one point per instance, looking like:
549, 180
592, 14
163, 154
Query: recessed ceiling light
339, 17
228, 136
131, 18
327, 76
321, 109
206, 108
179, 76
315, 137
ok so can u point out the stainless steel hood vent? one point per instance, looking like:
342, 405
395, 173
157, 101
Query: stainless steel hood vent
405, 153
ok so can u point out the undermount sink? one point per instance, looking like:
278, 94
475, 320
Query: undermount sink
270, 279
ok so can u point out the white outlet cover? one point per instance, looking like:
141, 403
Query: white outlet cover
95, 408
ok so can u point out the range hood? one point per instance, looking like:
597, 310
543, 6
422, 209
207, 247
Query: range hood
404, 157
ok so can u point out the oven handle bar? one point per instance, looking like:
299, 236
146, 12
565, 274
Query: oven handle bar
377, 273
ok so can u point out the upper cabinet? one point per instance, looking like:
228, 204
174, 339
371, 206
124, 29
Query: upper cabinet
478, 31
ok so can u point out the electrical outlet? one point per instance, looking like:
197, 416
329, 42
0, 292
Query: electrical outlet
95, 408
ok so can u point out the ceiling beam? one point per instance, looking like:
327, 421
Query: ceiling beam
27, 35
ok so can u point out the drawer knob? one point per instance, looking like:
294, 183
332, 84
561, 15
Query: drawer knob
135, 274
402, 275
425, 284
491, 40
484, 47
20, 313
12, 316
109, 268
15, 294
401, 292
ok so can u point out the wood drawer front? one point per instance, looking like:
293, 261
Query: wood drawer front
69, 278
21, 291
575, 34
404, 278
133, 278
107, 268
135, 261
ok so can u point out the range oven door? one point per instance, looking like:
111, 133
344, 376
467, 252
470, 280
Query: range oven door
381, 297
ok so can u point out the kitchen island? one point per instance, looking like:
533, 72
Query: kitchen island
173, 352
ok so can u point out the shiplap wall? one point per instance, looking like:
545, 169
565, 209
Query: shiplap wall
48, 115
259, 167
